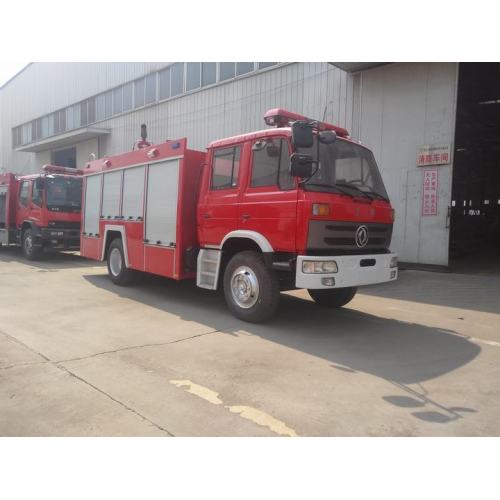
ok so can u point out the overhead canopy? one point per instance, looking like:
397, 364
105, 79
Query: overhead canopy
352, 67
69, 138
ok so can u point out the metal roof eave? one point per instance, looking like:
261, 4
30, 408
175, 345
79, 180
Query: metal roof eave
67, 139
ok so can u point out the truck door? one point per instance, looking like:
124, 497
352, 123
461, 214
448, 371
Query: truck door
23, 203
218, 207
268, 203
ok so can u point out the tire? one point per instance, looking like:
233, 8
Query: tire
336, 297
120, 275
251, 289
30, 251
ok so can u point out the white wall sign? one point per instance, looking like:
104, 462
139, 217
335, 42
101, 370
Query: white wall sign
439, 154
429, 192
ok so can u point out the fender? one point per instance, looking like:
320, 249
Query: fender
119, 229
260, 239
33, 226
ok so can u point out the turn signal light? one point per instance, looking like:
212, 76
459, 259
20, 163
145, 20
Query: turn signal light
321, 209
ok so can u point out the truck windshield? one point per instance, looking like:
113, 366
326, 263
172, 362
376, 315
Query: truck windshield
64, 194
347, 168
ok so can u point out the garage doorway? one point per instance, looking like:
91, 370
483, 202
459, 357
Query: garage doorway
65, 157
475, 206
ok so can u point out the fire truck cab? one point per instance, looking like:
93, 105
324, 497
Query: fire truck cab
41, 210
295, 206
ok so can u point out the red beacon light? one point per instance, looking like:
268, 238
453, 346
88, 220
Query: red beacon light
279, 117
56, 169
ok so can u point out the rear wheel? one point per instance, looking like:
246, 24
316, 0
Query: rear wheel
30, 250
336, 297
117, 270
250, 289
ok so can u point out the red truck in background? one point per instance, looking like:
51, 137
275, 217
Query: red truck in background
295, 206
41, 210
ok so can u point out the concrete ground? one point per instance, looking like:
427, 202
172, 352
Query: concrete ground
82, 357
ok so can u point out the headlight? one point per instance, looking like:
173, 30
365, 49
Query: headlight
394, 261
319, 267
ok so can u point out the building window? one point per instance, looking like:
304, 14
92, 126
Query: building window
84, 115
118, 100
177, 79
91, 109
128, 96
164, 77
244, 67
139, 93
151, 88
263, 65
226, 166
59, 121
33, 130
226, 71
208, 73
193, 76
99, 107
108, 104
26, 134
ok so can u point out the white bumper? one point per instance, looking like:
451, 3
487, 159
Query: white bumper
353, 270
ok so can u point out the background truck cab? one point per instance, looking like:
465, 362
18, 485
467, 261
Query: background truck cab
41, 210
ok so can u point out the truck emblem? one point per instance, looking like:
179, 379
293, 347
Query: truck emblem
361, 236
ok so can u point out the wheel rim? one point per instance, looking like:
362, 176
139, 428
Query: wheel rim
115, 262
28, 244
244, 287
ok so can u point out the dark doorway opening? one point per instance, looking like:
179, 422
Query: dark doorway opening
475, 206
65, 157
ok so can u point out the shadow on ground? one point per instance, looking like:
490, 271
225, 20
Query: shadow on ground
50, 261
352, 341
461, 291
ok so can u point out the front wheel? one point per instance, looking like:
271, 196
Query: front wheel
335, 297
117, 270
30, 250
251, 289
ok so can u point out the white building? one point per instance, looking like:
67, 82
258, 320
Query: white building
63, 112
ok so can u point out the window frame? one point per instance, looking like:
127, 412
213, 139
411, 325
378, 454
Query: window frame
225, 187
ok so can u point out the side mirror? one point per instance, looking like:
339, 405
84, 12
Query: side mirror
327, 137
302, 134
301, 165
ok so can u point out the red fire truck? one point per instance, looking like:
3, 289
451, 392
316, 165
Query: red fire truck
41, 210
299, 205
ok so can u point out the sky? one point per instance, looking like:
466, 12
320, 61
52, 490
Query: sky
9, 69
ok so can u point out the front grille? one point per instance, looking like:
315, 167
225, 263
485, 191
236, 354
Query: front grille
341, 236
63, 224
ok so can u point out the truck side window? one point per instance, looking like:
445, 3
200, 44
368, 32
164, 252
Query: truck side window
24, 193
37, 194
226, 166
271, 164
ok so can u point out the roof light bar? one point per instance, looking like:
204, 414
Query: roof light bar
279, 117
56, 169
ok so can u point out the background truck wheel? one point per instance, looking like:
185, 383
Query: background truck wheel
117, 270
30, 251
250, 289
336, 297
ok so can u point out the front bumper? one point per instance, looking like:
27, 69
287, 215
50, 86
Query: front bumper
353, 270
60, 238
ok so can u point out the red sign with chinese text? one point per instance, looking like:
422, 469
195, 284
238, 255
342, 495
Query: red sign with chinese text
433, 155
429, 192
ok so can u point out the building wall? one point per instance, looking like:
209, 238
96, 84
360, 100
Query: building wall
393, 109
228, 108
401, 108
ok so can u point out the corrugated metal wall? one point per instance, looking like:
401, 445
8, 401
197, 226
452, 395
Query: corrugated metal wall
226, 109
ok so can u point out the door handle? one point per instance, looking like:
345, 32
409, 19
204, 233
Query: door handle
206, 216
245, 216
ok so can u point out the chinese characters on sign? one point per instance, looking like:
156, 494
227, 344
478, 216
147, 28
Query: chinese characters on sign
433, 155
429, 197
